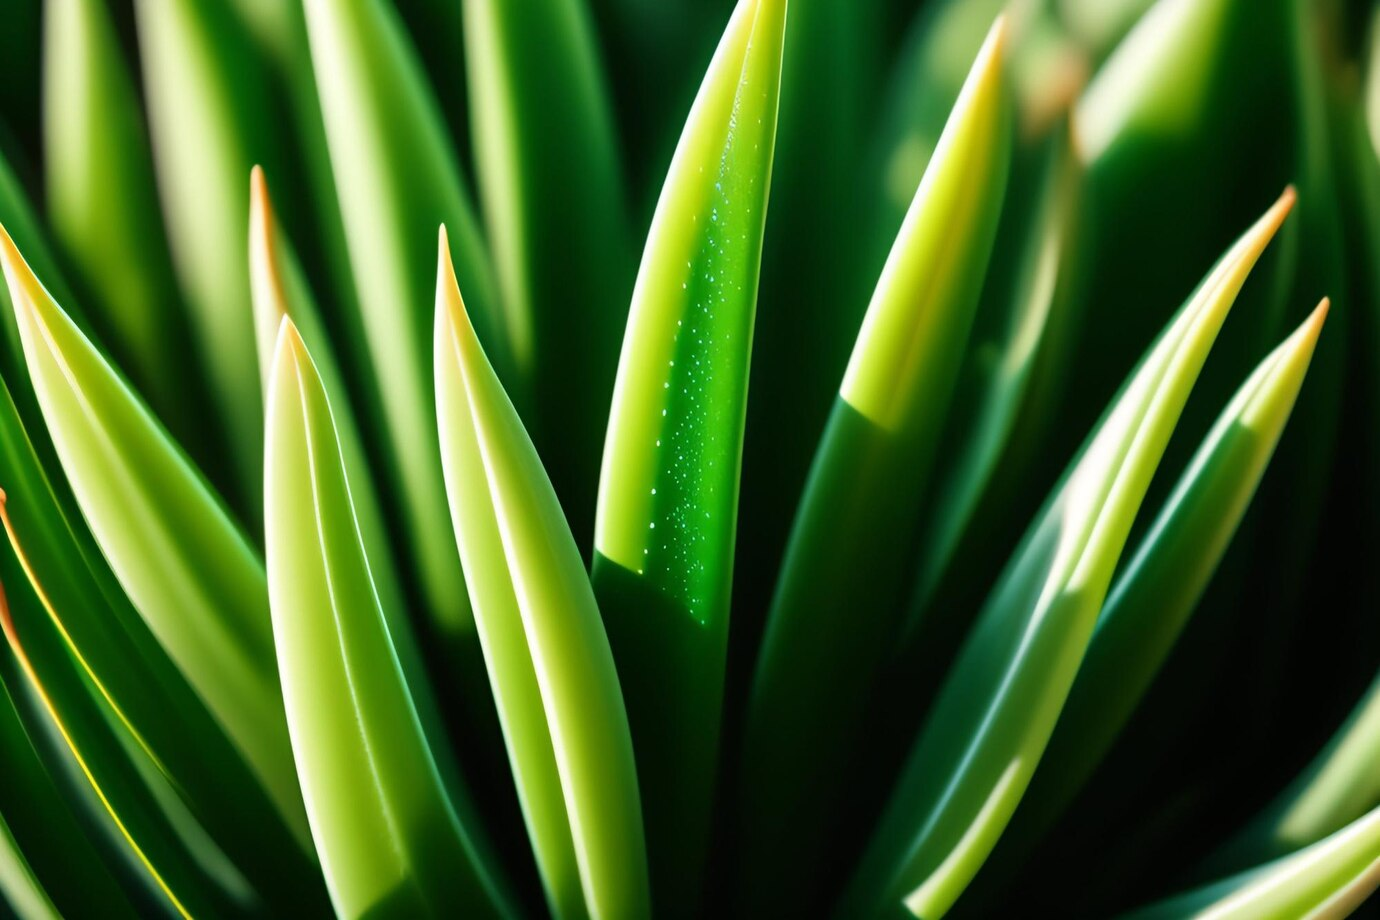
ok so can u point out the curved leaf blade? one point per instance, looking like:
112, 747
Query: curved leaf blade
967, 772
184, 874
389, 836
1326, 881
397, 180
668, 490
549, 658
118, 658
185, 566
62, 860
1158, 588
280, 289
856, 522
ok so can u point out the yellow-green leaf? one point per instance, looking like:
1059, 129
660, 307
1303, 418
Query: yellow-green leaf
548, 656
186, 567
103, 204
397, 180
391, 839
974, 758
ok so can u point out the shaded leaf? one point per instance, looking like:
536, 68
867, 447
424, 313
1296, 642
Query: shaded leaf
855, 528
176, 862
551, 184
41, 827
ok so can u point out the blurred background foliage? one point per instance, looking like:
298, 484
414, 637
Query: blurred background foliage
1149, 134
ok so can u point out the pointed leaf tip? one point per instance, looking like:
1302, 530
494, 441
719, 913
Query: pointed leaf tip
958, 198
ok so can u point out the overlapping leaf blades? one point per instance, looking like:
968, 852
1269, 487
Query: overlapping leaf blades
390, 838
855, 524
549, 660
993, 718
185, 565
142, 720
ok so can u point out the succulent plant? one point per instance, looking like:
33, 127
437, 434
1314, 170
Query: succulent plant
353, 567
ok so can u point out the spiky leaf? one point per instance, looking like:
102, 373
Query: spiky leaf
187, 568
857, 519
548, 657
390, 838
668, 493
992, 720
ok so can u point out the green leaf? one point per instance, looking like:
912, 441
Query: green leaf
812, 293
279, 288
208, 95
186, 567
176, 863
17, 216
549, 660
855, 527
1008, 392
397, 180
668, 492
1158, 588
103, 204
56, 851
554, 204
991, 722
1326, 881
22, 890
1154, 82
102, 634
391, 840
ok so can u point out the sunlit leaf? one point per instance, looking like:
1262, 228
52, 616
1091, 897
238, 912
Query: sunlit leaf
549, 659
668, 493
856, 524
1158, 589
279, 289
391, 840
102, 635
983, 739
1326, 881
186, 567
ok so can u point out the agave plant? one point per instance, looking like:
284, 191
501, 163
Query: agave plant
353, 567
